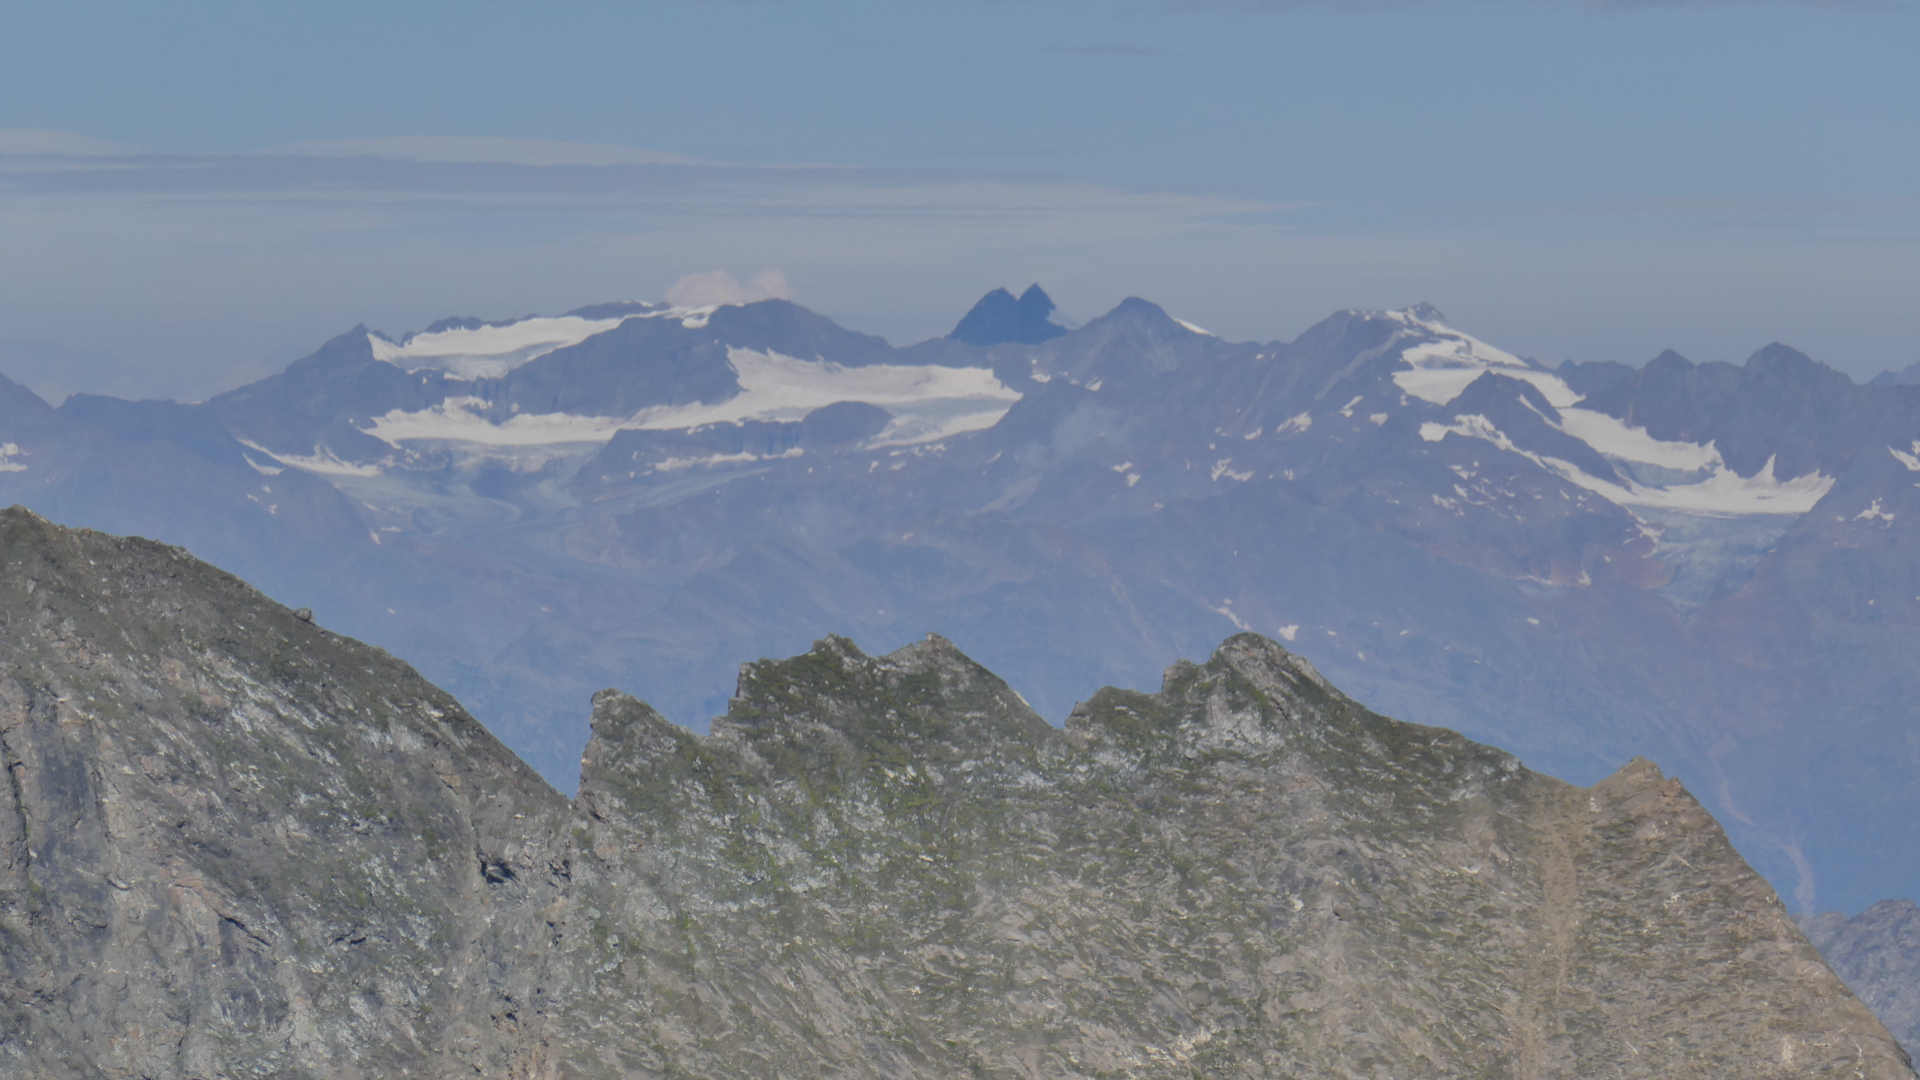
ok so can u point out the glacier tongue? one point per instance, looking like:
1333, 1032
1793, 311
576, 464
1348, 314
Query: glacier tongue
1710, 488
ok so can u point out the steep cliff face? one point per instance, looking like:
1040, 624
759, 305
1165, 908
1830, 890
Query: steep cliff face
233, 844
237, 845
890, 864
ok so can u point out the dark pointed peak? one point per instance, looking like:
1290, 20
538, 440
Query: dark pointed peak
457, 322
1428, 313
1589, 377
1142, 316
1036, 298
1908, 376
17, 401
354, 346
1787, 368
1493, 385
1669, 359
1776, 356
1135, 308
999, 319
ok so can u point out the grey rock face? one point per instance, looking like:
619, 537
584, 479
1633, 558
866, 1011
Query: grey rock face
234, 844
894, 866
1878, 953
237, 845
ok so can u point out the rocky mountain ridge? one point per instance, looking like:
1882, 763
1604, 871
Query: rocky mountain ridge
240, 845
1707, 563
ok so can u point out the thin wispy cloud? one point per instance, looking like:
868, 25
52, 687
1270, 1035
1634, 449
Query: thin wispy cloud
34, 142
481, 150
1107, 50
1865, 6
519, 175
192, 266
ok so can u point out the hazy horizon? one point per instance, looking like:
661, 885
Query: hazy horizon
196, 197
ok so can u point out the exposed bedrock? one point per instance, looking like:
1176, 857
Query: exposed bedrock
235, 844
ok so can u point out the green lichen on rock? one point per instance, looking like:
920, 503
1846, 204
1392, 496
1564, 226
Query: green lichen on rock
897, 869
234, 844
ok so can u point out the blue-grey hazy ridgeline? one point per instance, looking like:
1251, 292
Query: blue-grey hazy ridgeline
1704, 564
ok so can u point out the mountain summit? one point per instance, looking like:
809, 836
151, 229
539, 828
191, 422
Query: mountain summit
238, 845
1707, 564
999, 319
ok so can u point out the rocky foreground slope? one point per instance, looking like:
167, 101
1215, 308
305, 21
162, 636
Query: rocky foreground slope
237, 845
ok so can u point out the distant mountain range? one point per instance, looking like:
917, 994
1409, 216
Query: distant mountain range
1877, 952
1710, 565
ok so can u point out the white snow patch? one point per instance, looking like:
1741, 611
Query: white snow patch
1615, 439
1298, 423
264, 470
1220, 469
928, 403
1912, 460
1723, 493
458, 420
9, 451
1378, 418
673, 464
1204, 333
1347, 409
488, 352
1290, 631
322, 460
1873, 513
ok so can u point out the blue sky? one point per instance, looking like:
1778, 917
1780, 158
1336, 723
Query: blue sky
192, 195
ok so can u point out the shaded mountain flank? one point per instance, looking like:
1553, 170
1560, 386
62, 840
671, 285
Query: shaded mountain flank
238, 845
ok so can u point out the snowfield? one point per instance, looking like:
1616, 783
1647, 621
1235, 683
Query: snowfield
927, 403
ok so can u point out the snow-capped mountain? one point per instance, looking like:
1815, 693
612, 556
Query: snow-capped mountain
1710, 565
